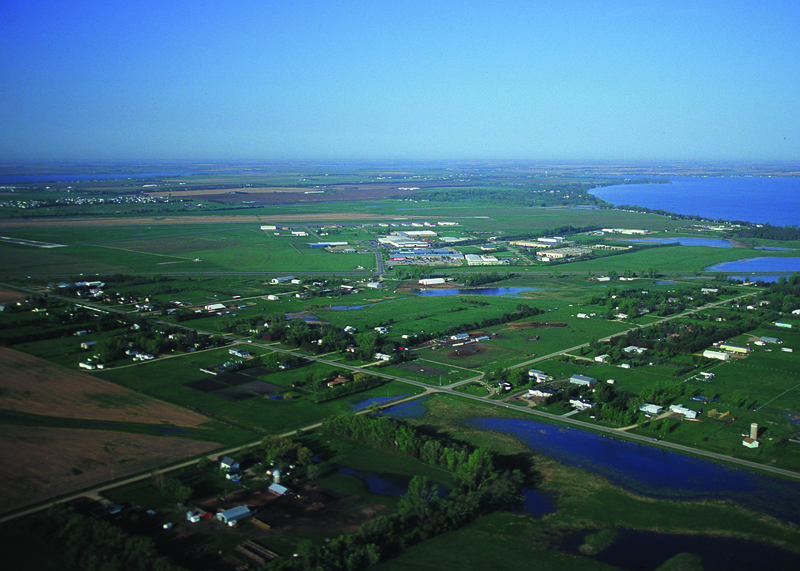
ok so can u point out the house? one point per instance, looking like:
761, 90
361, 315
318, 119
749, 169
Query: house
582, 380
85, 365
383, 357
229, 464
750, 443
340, 380
707, 376
281, 280
381, 330
272, 297
239, 352
635, 349
680, 409
583, 316
540, 376
581, 403
349, 329
232, 515
651, 408
542, 392
602, 358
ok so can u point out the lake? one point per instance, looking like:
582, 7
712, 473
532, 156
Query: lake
765, 264
775, 200
653, 471
647, 550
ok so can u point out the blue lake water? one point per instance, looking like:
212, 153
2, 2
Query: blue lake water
364, 403
713, 242
766, 264
383, 484
652, 471
647, 550
475, 291
352, 307
775, 200
767, 279
410, 409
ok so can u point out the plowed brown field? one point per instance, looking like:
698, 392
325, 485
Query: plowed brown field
46, 462
32, 385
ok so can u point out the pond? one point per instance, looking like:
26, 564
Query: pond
352, 307
364, 403
713, 242
653, 471
647, 550
766, 264
389, 484
475, 291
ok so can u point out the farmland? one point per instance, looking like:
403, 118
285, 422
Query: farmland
122, 345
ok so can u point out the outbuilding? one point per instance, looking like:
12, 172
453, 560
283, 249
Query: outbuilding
582, 380
234, 514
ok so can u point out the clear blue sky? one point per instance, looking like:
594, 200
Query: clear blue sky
301, 79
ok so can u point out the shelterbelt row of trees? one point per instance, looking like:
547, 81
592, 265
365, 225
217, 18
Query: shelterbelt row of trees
423, 512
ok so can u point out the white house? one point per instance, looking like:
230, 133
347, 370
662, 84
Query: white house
651, 408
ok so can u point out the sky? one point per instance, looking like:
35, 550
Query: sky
546, 80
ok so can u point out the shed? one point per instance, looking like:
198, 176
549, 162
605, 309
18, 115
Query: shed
279, 490
582, 380
709, 354
783, 324
774, 340
234, 514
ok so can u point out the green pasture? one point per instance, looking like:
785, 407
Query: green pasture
166, 380
684, 260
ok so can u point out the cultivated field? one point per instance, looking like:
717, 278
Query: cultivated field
45, 462
34, 386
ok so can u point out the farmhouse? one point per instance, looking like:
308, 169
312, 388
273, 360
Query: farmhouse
540, 376
239, 352
680, 409
602, 358
750, 443
581, 403
582, 380
635, 349
651, 408
542, 392
282, 280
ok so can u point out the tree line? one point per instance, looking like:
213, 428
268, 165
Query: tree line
422, 512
